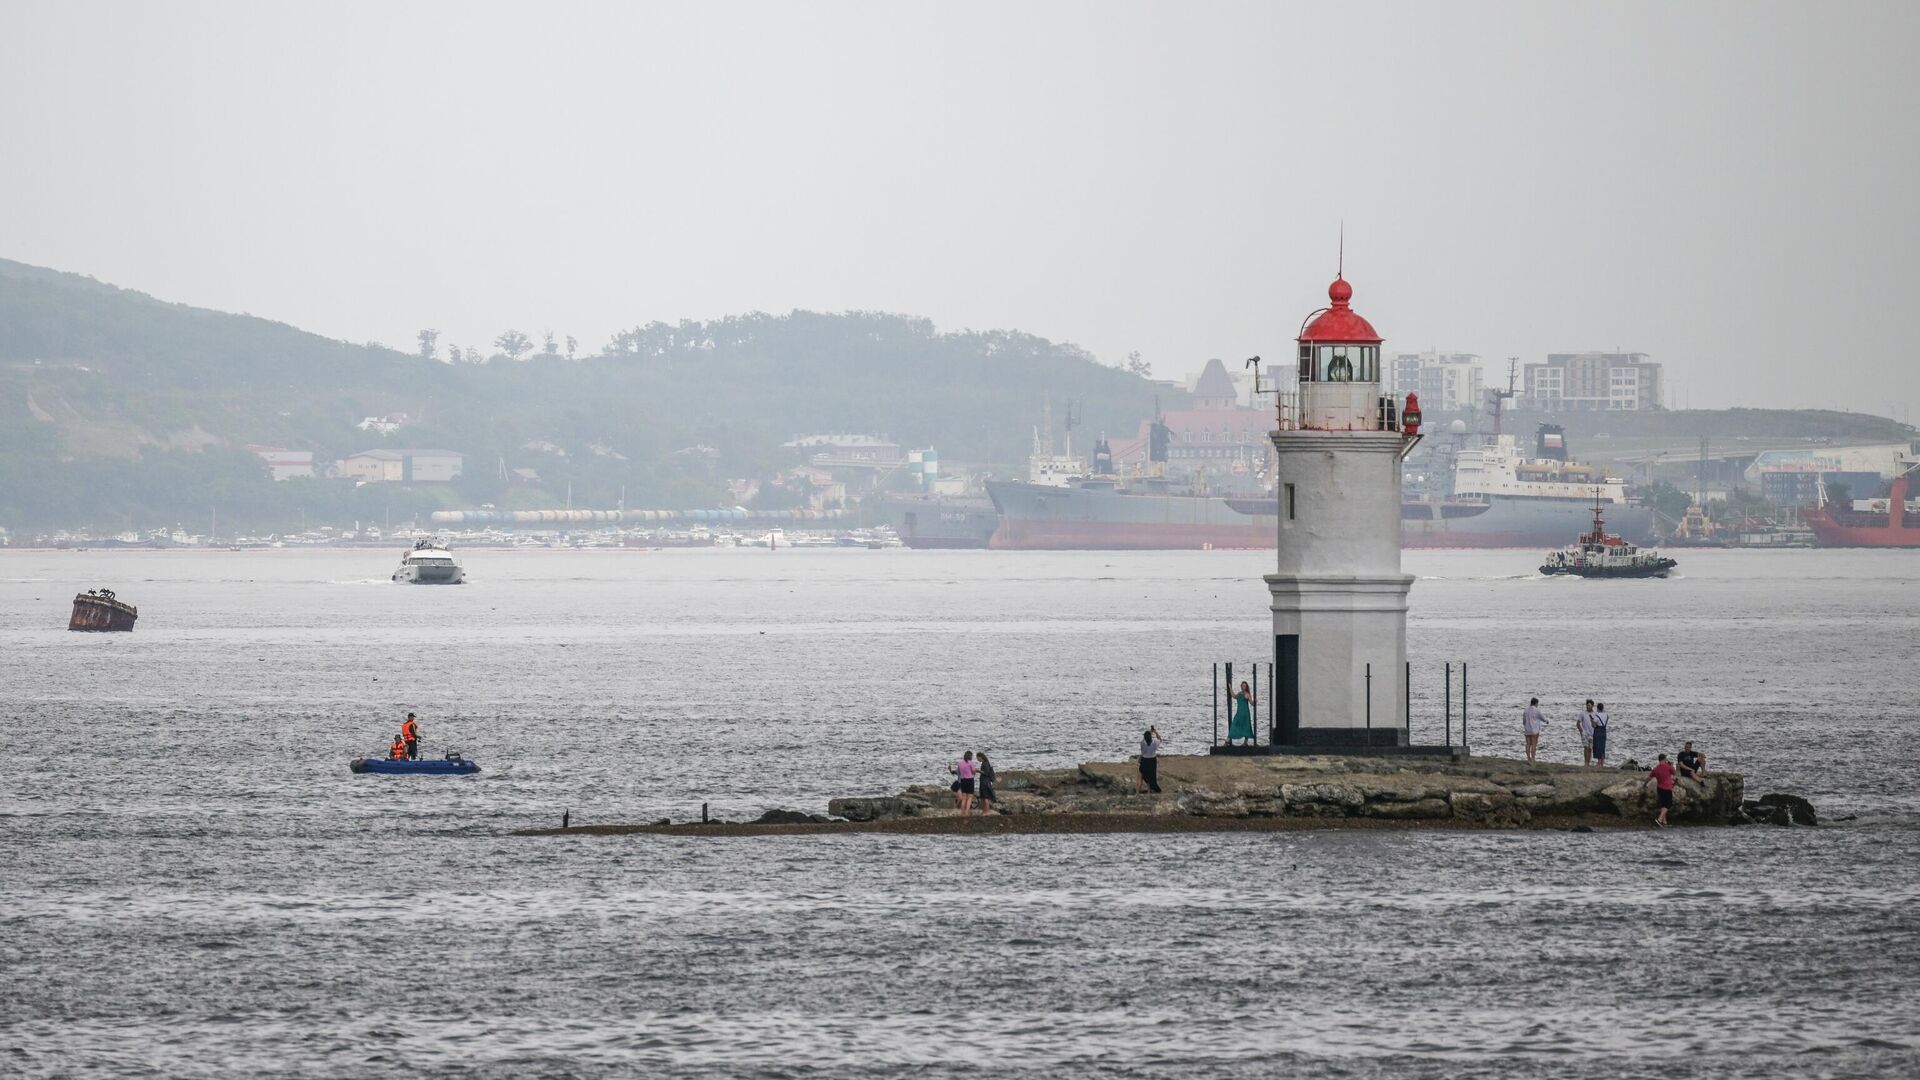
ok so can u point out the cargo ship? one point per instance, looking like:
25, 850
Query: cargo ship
1503, 498
1500, 498
1897, 526
938, 521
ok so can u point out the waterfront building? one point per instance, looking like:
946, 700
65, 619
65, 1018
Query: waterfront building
1339, 597
284, 464
404, 466
1592, 382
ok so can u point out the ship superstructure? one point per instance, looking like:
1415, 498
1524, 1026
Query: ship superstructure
1890, 522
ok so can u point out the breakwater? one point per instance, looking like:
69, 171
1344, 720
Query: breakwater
1279, 792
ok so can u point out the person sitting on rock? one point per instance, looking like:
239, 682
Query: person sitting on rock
1693, 763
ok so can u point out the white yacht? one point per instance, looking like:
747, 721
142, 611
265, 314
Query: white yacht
429, 563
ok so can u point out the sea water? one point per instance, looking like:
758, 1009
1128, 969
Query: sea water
193, 884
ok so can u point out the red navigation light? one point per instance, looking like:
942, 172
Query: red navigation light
1410, 415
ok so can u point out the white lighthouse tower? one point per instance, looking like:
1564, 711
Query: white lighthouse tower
1339, 597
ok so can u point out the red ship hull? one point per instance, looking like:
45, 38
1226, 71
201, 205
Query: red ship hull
1848, 528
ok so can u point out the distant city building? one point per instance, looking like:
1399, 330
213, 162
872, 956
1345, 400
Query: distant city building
404, 466
1446, 382
285, 464
1592, 382
1217, 388
1217, 434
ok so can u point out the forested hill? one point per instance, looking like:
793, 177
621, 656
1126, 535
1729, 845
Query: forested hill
118, 409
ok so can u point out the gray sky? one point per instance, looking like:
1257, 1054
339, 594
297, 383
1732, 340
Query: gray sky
1729, 187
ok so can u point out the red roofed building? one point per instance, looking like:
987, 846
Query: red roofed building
1217, 434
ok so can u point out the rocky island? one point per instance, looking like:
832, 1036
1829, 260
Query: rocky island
1280, 792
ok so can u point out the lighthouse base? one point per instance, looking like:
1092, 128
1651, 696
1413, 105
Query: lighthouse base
1339, 661
1451, 753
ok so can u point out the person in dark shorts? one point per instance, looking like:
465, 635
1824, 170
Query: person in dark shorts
1149, 762
963, 787
1662, 774
985, 774
1693, 763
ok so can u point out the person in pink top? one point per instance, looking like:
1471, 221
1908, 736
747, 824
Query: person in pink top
963, 787
1662, 774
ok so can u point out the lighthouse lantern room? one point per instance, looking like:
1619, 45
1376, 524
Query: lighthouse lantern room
1339, 596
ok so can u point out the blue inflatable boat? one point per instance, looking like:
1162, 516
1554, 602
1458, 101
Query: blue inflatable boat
451, 765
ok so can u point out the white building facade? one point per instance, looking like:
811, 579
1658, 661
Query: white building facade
1446, 382
1593, 382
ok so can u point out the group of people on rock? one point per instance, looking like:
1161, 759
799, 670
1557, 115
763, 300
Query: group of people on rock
406, 745
973, 783
1593, 724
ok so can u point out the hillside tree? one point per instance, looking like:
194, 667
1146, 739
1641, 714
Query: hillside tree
513, 344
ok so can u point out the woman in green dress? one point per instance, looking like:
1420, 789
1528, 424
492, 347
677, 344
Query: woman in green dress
1241, 725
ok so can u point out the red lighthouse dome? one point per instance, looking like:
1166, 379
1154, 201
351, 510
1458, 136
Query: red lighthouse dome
1339, 322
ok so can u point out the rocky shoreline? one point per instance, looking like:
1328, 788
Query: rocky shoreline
1280, 792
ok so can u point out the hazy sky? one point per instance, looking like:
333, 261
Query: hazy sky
1730, 187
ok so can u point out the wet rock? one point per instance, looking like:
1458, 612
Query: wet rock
1201, 802
1405, 811
874, 808
1798, 809
1324, 800
1488, 809
784, 817
1021, 802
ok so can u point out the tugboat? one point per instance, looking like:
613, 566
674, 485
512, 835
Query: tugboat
97, 609
1600, 555
429, 563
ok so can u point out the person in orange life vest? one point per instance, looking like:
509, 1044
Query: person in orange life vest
410, 734
398, 751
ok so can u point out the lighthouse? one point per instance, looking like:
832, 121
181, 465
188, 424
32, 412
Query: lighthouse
1339, 596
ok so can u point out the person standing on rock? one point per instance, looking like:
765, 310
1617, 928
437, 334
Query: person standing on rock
963, 787
1531, 725
1585, 724
1599, 721
986, 775
1149, 762
1662, 774
1240, 725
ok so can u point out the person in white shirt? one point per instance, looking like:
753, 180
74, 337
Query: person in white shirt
1531, 725
1585, 724
1600, 734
